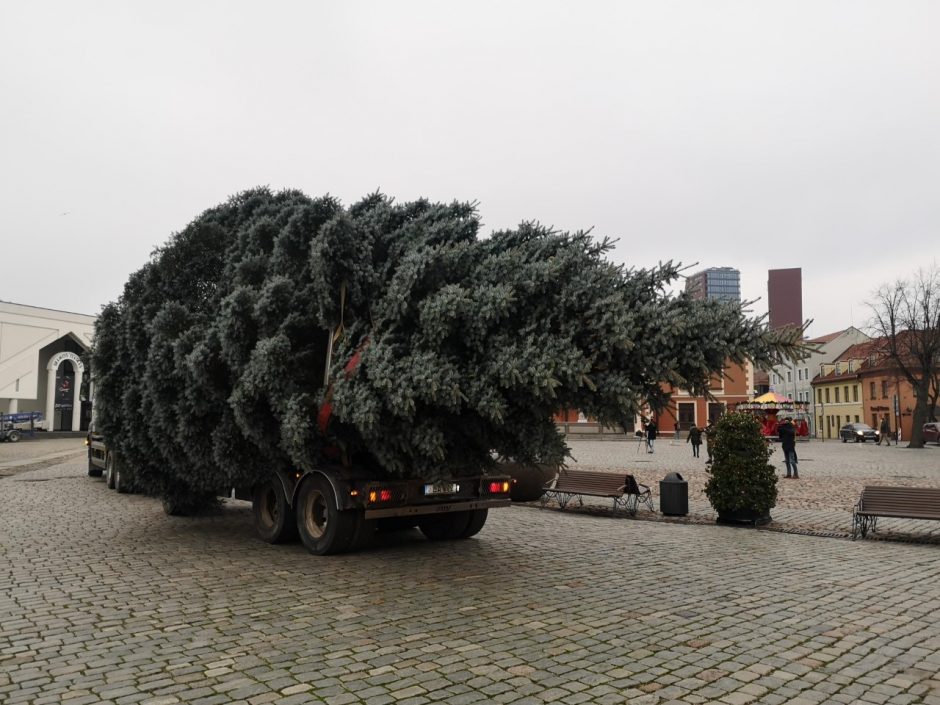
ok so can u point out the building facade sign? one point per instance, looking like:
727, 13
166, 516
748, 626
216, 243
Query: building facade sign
61, 357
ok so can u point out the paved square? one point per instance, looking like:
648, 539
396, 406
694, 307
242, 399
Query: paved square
103, 598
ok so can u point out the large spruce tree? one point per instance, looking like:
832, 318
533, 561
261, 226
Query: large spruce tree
211, 366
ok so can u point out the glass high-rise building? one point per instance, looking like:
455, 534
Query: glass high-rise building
715, 283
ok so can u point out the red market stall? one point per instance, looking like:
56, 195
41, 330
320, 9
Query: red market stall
771, 408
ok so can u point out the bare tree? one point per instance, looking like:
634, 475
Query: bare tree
907, 319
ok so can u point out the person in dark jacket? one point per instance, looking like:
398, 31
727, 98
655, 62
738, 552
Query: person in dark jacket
651, 431
707, 437
695, 438
786, 431
885, 434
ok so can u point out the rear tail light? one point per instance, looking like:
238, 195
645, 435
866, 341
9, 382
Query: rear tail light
381, 495
498, 487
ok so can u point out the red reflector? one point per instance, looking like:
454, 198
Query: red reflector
385, 495
499, 487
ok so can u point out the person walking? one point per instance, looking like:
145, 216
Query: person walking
786, 432
707, 437
651, 431
885, 431
695, 438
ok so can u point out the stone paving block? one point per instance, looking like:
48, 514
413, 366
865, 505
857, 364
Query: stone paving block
403, 625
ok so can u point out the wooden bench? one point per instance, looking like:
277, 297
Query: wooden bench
895, 502
625, 491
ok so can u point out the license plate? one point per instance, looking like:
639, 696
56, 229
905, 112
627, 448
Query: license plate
442, 488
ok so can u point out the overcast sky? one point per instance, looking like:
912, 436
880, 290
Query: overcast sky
749, 134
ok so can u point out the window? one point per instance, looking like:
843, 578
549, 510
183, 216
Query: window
827, 395
789, 376
837, 395
715, 410
846, 390
819, 396
805, 373
873, 390
884, 389
855, 393
799, 375
856, 418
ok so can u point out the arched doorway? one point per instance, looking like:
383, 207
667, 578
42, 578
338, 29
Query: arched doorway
63, 392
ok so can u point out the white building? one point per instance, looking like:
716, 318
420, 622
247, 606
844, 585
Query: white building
795, 379
41, 364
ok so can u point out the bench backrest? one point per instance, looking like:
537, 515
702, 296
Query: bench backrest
905, 501
596, 481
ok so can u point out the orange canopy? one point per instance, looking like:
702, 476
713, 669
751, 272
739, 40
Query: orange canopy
772, 398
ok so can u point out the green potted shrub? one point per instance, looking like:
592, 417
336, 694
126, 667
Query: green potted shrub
742, 486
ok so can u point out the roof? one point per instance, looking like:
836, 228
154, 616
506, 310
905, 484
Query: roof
859, 351
827, 338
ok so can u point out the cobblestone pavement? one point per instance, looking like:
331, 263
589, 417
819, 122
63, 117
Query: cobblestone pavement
104, 599
832, 475
30, 453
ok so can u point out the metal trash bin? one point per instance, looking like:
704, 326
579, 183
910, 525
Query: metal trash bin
674, 495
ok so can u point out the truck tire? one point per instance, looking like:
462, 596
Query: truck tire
93, 470
108, 471
477, 520
187, 505
390, 524
323, 528
122, 483
13, 436
444, 527
274, 518
365, 535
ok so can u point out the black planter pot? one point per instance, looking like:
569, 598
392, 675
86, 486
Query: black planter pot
528, 480
744, 517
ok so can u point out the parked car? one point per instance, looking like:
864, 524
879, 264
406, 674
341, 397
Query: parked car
858, 432
932, 432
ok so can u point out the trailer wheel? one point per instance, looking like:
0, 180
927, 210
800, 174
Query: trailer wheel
365, 534
323, 528
477, 520
390, 524
121, 480
187, 505
274, 518
443, 527
108, 471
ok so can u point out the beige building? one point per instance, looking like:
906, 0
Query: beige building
838, 393
43, 365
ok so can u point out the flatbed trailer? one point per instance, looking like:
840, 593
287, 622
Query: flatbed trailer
333, 509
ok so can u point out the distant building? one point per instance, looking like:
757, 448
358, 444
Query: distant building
715, 283
43, 356
795, 379
731, 386
877, 391
785, 297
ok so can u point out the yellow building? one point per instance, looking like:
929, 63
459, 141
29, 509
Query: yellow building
837, 391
